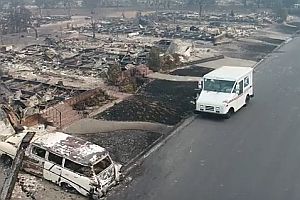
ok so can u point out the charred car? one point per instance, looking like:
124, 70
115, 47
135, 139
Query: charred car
68, 161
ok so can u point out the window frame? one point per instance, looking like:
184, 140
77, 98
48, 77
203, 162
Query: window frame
248, 81
74, 171
110, 160
241, 89
62, 159
37, 156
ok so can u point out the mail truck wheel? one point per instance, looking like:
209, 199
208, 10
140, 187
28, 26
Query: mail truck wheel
229, 113
247, 100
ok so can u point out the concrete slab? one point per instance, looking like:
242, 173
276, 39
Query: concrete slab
272, 34
169, 77
250, 40
227, 61
85, 126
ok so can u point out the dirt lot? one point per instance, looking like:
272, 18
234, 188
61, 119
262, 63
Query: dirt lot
160, 101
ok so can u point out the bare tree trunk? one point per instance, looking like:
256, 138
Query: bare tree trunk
156, 4
67, 6
258, 2
40, 11
99, 2
36, 32
93, 27
200, 10
118, 4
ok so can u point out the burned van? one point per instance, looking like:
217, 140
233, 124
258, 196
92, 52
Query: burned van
68, 161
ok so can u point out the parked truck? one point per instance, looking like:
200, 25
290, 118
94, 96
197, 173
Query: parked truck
225, 90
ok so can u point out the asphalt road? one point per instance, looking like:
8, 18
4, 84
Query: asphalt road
255, 155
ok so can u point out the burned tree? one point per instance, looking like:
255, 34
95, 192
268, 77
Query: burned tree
16, 20
68, 6
93, 5
171, 61
41, 4
113, 74
167, 4
93, 23
258, 3
201, 4
156, 4
154, 62
133, 2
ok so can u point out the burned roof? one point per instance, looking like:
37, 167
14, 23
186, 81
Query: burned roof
70, 147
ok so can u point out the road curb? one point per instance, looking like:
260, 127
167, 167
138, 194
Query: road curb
277, 48
262, 60
156, 145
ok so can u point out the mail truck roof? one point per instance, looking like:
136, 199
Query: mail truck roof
229, 73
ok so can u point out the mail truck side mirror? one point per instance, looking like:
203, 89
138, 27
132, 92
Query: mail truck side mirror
200, 84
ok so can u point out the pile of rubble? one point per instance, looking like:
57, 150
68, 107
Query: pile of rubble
180, 25
26, 187
40, 20
76, 66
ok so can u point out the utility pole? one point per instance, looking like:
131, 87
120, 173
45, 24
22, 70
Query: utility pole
11, 178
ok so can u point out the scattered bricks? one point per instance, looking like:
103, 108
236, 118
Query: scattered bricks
61, 115
33, 120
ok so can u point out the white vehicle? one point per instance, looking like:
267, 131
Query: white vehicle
68, 161
225, 90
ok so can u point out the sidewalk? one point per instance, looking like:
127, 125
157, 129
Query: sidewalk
169, 77
86, 126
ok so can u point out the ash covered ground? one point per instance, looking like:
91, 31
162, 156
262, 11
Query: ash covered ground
123, 145
160, 101
192, 71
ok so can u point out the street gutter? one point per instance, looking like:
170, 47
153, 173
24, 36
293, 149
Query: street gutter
138, 160
277, 48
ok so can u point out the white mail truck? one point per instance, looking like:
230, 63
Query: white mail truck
225, 90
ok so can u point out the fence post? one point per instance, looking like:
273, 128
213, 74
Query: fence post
59, 119
11, 178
